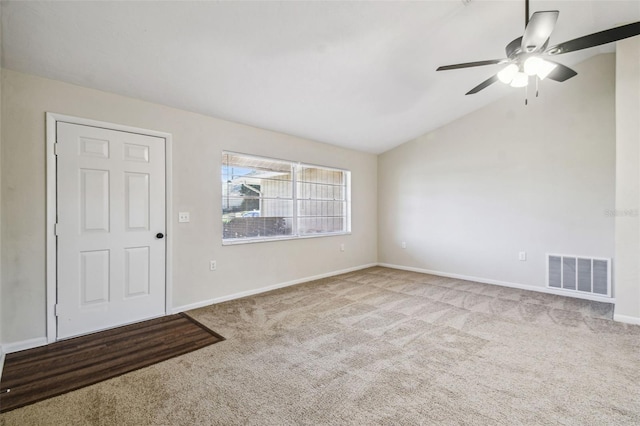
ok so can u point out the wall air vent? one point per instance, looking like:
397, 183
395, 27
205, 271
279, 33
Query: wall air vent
579, 274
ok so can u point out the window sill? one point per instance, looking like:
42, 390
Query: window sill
233, 242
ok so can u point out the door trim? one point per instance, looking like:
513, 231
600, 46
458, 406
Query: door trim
52, 120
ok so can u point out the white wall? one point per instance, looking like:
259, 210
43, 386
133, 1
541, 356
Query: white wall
1, 321
197, 144
627, 264
469, 196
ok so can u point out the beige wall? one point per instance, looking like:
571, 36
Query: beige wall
627, 264
469, 196
465, 198
197, 144
1, 318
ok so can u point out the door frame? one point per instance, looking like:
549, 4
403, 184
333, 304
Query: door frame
52, 120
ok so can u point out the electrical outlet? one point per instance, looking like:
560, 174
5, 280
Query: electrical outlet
522, 256
212, 265
404, 245
183, 217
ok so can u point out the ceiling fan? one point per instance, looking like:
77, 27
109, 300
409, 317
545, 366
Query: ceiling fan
527, 55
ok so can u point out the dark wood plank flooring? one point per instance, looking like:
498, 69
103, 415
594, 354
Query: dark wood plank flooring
39, 373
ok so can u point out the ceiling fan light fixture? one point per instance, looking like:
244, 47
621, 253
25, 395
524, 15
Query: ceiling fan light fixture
520, 80
535, 65
545, 68
508, 73
532, 65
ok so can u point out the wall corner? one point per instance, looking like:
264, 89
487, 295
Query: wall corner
627, 212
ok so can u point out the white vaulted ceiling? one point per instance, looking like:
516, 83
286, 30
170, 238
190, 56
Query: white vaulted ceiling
354, 74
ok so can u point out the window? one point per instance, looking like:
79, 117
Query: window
267, 199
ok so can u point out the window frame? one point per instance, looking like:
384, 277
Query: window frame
296, 166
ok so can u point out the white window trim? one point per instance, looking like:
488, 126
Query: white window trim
294, 231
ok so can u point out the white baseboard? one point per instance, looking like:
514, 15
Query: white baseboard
24, 344
558, 292
242, 294
626, 319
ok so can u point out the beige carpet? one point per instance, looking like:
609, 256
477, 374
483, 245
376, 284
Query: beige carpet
380, 346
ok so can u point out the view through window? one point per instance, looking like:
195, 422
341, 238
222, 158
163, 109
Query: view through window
264, 199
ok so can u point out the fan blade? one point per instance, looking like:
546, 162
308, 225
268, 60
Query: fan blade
561, 72
513, 47
488, 82
471, 64
538, 30
596, 39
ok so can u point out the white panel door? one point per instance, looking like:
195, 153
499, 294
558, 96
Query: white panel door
111, 224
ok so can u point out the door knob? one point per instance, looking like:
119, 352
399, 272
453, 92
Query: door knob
159, 235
